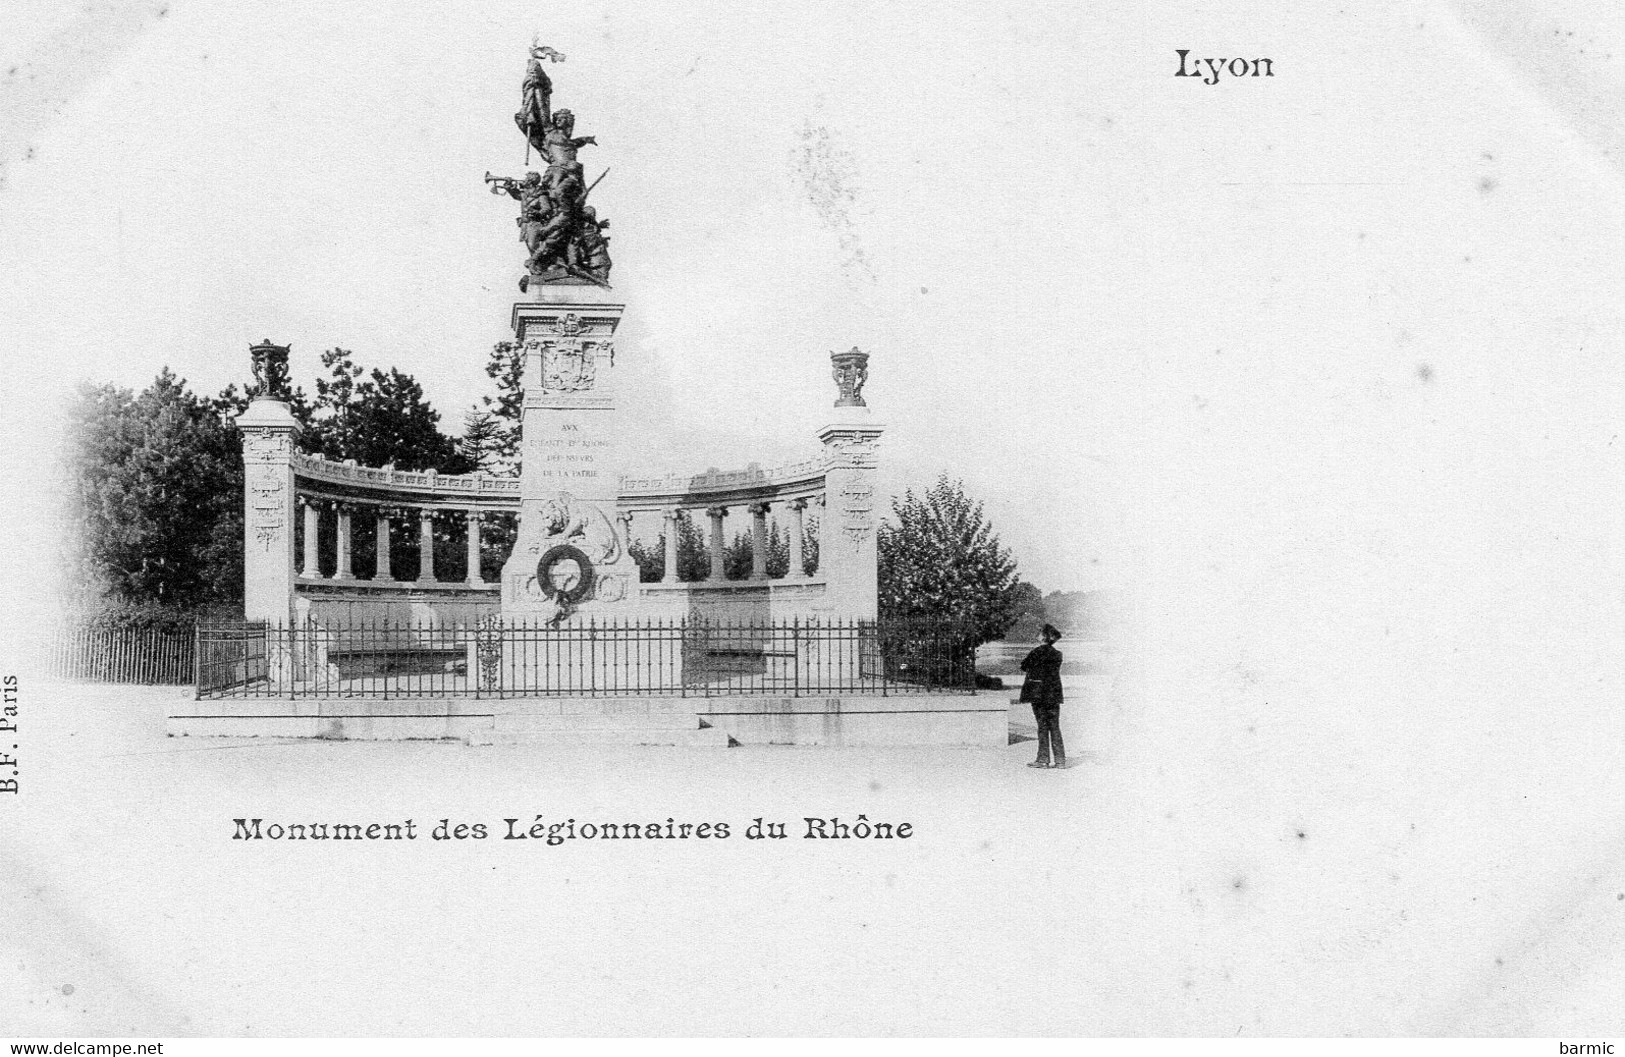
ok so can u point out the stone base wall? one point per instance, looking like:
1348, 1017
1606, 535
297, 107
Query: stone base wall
960, 719
737, 601
425, 606
925, 719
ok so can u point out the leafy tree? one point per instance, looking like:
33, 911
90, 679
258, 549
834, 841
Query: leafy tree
1030, 613
378, 419
942, 560
736, 557
155, 496
233, 401
778, 551
693, 560
810, 538
155, 488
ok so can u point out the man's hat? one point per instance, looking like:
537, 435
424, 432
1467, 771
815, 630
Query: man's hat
1051, 631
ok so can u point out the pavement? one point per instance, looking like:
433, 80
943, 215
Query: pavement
1198, 871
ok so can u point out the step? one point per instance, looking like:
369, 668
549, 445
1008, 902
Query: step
696, 737
593, 706
543, 721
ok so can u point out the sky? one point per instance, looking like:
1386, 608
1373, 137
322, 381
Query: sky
1131, 311
931, 187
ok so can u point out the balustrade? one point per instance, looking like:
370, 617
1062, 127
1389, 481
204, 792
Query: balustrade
793, 511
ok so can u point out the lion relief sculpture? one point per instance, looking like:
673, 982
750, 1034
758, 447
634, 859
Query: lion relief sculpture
581, 524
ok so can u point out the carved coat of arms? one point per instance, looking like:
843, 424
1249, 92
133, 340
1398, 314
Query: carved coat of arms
569, 366
569, 361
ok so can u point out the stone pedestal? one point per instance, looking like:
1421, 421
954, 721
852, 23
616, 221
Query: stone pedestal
570, 560
848, 557
268, 430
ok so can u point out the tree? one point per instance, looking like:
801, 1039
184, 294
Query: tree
942, 560
506, 367
482, 442
378, 419
811, 534
739, 556
1030, 614
693, 561
736, 557
155, 481
155, 496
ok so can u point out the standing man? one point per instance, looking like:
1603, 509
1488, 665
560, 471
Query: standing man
1042, 689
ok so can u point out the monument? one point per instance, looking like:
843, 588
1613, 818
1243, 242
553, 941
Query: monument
571, 556
571, 645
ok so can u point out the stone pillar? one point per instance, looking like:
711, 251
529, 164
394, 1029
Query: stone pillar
569, 441
671, 546
269, 431
798, 528
312, 568
474, 578
341, 569
758, 541
383, 574
848, 556
425, 546
716, 514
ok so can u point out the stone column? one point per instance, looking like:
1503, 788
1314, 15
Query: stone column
848, 558
313, 516
425, 546
758, 541
383, 573
269, 431
671, 546
716, 514
798, 528
474, 578
341, 570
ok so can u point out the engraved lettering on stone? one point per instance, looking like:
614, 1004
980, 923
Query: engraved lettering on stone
261, 446
265, 499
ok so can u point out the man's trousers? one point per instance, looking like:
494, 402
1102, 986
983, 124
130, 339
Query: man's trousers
1049, 734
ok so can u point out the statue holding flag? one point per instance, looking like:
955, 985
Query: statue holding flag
565, 238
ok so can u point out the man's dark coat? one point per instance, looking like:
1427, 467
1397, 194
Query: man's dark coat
1043, 683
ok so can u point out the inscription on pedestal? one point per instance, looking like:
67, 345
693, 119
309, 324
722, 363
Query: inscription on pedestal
267, 502
568, 454
857, 513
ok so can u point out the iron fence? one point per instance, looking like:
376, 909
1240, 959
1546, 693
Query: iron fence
118, 655
492, 658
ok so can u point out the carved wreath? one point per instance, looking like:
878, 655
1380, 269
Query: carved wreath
555, 556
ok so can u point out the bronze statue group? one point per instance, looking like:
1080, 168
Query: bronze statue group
562, 232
